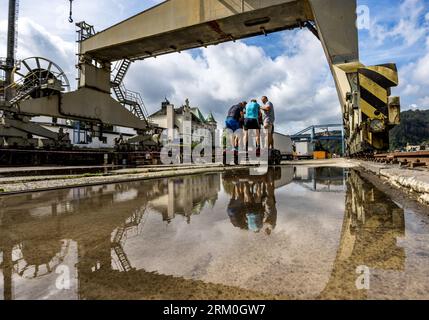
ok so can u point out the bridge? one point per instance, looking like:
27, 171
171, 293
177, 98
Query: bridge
322, 132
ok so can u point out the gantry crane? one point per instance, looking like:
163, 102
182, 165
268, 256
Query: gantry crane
369, 112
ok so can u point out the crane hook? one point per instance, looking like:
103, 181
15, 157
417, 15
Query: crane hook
71, 11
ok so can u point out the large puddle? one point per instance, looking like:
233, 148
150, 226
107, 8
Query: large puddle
294, 233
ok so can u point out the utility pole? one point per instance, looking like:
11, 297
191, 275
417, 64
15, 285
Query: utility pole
11, 44
7, 274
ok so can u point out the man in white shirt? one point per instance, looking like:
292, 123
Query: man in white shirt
268, 117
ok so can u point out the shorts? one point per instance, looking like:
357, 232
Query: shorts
232, 124
251, 124
255, 222
269, 127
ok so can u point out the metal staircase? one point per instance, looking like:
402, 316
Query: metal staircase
131, 99
119, 250
25, 87
120, 236
23, 93
122, 69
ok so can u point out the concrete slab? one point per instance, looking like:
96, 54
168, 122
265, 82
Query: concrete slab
413, 180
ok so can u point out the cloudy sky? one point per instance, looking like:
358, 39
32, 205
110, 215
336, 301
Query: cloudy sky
289, 67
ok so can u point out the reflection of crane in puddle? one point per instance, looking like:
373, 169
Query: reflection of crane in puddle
371, 226
136, 221
31, 246
32, 226
29, 261
32, 233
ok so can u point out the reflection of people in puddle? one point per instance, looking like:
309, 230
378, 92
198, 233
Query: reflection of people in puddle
236, 210
253, 205
269, 204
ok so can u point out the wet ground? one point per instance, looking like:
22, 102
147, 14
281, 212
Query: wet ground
293, 233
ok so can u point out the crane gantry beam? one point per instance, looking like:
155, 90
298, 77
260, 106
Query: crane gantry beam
178, 25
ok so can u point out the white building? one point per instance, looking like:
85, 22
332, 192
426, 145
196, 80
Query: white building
186, 120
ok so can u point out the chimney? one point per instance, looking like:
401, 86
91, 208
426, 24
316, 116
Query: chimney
170, 120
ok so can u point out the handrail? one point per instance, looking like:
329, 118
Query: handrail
34, 81
33, 74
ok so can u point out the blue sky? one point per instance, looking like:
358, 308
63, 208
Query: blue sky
299, 81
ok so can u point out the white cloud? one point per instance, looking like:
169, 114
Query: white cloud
421, 73
424, 102
34, 40
407, 29
299, 84
414, 80
411, 89
401, 34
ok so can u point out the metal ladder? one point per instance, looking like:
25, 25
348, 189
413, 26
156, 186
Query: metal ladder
117, 247
25, 86
123, 259
127, 97
118, 238
23, 93
122, 68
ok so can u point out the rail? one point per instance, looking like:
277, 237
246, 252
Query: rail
136, 96
405, 159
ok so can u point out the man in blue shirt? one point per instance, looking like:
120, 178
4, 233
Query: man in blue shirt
234, 121
251, 122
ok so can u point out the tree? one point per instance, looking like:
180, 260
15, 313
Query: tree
413, 130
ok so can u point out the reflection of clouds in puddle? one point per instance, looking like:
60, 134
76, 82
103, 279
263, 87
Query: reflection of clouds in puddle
299, 209
297, 250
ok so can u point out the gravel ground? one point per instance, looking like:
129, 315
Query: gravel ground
40, 183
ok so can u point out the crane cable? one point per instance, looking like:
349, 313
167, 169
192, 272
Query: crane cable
71, 11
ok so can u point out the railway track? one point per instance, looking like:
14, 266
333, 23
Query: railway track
96, 157
406, 159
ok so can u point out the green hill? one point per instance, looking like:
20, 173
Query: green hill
413, 130
333, 146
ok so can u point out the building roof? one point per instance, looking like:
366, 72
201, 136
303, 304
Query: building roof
197, 115
161, 112
210, 118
